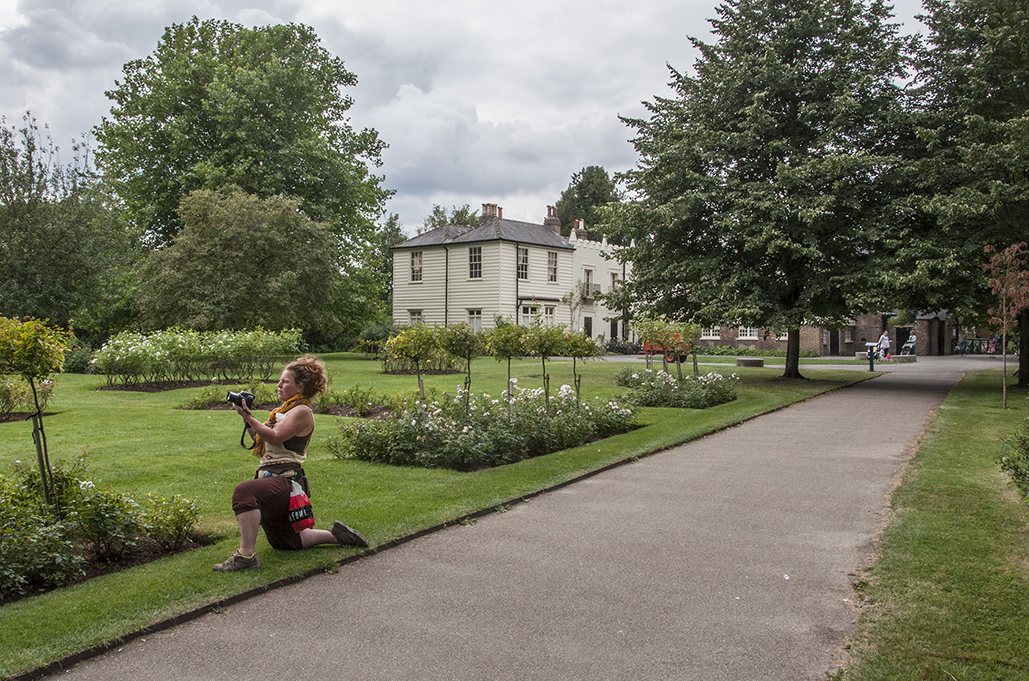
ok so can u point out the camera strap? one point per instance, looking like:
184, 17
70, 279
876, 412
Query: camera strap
242, 437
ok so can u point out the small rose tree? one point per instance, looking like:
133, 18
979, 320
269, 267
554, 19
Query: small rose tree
34, 351
417, 344
544, 341
460, 340
578, 345
1009, 278
504, 343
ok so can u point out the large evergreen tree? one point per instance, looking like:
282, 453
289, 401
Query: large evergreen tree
589, 190
760, 184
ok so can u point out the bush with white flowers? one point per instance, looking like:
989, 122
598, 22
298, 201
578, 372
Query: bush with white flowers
650, 388
470, 432
178, 354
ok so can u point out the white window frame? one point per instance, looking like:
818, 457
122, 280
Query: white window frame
416, 266
711, 333
475, 262
529, 314
523, 263
748, 333
475, 319
416, 317
552, 266
548, 314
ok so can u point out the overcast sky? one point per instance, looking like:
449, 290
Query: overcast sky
497, 102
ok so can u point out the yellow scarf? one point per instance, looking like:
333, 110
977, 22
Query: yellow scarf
295, 401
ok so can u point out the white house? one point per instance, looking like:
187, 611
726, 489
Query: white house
519, 270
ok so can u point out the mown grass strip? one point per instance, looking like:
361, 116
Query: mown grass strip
948, 597
141, 441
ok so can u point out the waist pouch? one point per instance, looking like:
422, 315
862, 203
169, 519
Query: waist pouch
285, 470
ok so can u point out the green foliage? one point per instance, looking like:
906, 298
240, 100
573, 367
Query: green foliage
240, 262
218, 104
730, 351
107, 520
61, 244
544, 341
388, 235
622, 347
16, 395
419, 344
660, 389
376, 332
39, 551
589, 189
168, 520
191, 355
214, 394
761, 181
78, 359
466, 433
30, 348
1015, 461
457, 216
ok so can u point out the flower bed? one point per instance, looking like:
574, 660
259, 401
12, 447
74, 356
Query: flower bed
467, 432
97, 527
194, 355
650, 388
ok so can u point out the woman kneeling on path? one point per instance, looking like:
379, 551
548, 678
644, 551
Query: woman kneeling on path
276, 499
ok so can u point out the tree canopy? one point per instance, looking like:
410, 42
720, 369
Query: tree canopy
263, 109
760, 182
462, 215
965, 159
60, 245
240, 262
590, 189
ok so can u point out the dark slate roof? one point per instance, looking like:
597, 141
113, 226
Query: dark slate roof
497, 229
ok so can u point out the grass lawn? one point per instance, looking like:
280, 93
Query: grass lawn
142, 441
949, 596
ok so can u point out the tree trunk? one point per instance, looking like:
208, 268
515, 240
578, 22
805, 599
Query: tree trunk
792, 369
1023, 349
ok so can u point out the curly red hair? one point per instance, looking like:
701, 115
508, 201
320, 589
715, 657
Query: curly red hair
309, 373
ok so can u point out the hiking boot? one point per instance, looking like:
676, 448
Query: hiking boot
237, 561
347, 536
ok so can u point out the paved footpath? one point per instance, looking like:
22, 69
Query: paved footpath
731, 557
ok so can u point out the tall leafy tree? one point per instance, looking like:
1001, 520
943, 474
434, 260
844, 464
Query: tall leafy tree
967, 159
388, 235
263, 109
60, 246
458, 215
760, 181
589, 189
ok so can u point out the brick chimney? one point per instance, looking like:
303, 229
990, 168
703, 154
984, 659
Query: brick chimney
580, 229
490, 211
552, 221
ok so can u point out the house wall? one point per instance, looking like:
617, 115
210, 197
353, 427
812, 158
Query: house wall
595, 256
446, 293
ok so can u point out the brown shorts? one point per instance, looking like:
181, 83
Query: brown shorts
271, 497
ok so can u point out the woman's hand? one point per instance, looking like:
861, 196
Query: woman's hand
297, 421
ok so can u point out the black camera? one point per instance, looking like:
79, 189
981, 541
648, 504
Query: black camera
241, 398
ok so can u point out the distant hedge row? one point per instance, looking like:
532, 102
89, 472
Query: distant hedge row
177, 355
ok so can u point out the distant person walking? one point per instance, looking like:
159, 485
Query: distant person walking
884, 346
962, 343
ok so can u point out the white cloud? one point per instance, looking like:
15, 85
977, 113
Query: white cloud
497, 102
